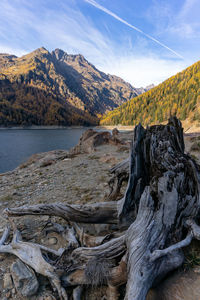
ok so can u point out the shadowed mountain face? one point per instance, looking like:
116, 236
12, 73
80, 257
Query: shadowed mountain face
179, 95
44, 88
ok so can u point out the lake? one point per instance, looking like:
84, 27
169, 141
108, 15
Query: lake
16, 145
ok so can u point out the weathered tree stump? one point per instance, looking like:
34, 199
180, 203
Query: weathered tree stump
159, 213
161, 199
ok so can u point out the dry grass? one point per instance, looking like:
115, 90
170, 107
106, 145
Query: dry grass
93, 157
195, 146
97, 271
192, 255
6, 198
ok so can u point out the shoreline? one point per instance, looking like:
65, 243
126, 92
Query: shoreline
37, 127
188, 127
53, 127
119, 127
42, 127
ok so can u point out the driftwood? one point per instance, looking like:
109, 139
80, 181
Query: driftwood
159, 214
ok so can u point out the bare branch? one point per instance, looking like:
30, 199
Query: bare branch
159, 253
194, 228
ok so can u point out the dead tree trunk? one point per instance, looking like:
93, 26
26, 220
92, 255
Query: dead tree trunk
162, 194
160, 208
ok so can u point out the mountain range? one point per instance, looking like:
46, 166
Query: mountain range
179, 95
43, 88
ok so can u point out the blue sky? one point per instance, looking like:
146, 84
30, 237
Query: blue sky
144, 41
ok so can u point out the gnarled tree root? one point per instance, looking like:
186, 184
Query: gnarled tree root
31, 254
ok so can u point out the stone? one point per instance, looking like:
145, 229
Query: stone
91, 139
115, 132
52, 241
179, 286
24, 279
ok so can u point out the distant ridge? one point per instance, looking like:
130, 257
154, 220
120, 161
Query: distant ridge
43, 88
179, 95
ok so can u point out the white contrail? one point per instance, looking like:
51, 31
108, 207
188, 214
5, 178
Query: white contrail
107, 11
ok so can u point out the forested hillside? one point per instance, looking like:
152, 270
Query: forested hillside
179, 95
43, 88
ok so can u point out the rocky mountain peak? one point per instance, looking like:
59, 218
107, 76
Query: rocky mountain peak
6, 59
58, 88
78, 58
7, 55
58, 54
36, 53
150, 86
41, 50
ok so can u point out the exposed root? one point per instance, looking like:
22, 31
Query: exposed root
96, 213
195, 229
31, 255
159, 253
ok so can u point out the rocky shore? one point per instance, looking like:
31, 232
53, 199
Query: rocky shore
78, 176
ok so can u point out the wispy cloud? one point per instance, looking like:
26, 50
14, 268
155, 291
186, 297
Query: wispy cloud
65, 27
107, 11
188, 5
179, 22
9, 50
25, 26
142, 70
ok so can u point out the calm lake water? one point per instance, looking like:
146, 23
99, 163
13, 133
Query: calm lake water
16, 145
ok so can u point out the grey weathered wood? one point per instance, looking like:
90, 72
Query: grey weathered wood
162, 193
104, 213
109, 250
77, 292
31, 255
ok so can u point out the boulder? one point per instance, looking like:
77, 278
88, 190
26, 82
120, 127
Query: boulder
91, 139
24, 279
115, 132
180, 286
